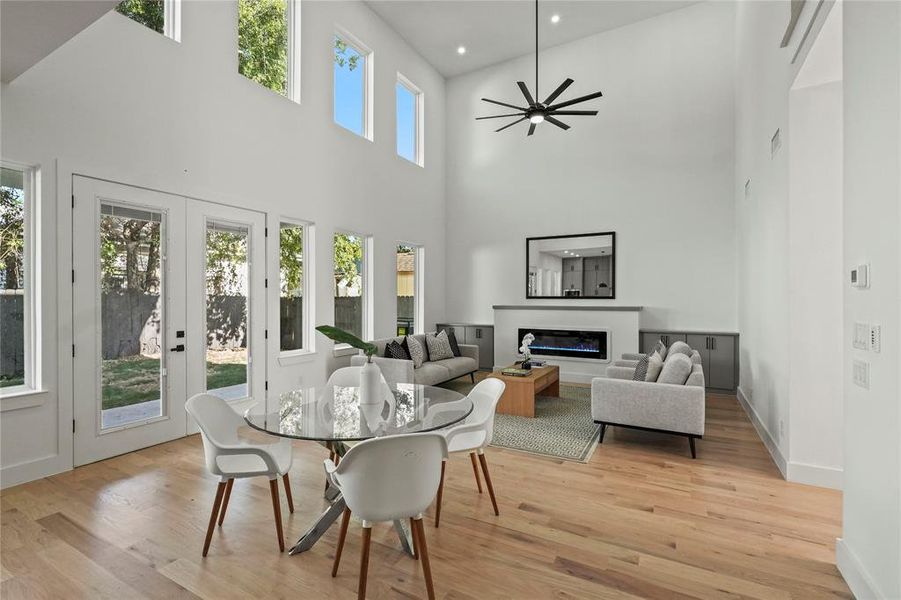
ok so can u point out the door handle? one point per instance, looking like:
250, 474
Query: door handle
712, 343
178, 348
707, 342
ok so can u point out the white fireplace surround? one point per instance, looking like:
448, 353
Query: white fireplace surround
621, 323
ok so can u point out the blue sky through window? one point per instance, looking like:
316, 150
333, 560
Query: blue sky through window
406, 123
349, 93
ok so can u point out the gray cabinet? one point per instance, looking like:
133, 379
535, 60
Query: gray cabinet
719, 354
476, 335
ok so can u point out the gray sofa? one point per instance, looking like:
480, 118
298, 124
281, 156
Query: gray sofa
431, 372
616, 400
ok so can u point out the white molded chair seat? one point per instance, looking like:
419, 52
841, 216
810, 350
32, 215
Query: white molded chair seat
231, 457
389, 479
474, 435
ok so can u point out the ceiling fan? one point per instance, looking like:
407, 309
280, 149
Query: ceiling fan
538, 112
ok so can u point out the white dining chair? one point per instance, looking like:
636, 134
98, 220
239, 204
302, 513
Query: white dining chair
473, 436
229, 457
389, 479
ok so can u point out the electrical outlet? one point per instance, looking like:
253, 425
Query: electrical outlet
861, 374
876, 338
861, 339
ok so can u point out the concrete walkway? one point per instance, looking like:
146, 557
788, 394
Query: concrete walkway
123, 415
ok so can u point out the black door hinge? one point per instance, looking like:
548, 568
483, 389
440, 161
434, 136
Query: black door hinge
73, 275
73, 425
73, 350
266, 386
265, 232
266, 334
73, 200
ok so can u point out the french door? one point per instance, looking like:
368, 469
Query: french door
168, 301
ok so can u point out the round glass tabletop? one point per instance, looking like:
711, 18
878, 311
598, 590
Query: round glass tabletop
334, 413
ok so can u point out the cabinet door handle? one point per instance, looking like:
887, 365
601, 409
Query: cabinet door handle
712, 343
478, 333
707, 342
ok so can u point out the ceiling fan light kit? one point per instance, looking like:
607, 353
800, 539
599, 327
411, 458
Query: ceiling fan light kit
539, 112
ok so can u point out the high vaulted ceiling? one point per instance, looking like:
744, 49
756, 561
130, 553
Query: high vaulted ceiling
493, 31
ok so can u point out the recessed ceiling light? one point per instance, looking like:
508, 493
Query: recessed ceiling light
555, 18
461, 49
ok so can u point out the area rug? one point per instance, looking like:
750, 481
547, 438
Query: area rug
562, 427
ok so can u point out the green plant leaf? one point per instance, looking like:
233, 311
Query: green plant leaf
344, 337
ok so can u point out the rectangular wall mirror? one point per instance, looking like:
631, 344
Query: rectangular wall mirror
571, 266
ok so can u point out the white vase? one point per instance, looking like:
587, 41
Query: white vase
370, 384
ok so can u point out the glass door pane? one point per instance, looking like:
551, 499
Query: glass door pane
227, 298
131, 315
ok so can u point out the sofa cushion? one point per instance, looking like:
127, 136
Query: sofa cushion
431, 373
679, 346
416, 350
676, 369
660, 347
454, 344
655, 365
641, 369
439, 346
458, 365
395, 350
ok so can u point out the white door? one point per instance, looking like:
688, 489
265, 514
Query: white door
167, 302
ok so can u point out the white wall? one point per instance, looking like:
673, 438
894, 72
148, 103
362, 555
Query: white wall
122, 102
869, 555
655, 165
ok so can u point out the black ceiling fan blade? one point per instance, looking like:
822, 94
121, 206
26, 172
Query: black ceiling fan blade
558, 91
503, 104
559, 124
499, 116
511, 124
590, 113
531, 128
525, 92
576, 101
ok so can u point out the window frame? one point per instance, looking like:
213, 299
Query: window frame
368, 81
308, 283
172, 20
366, 280
31, 340
418, 120
293, 51
418, 285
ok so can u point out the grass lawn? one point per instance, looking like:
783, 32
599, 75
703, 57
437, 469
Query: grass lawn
135, 379
11, 380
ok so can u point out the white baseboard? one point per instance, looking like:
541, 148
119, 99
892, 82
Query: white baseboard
31, 470
856, 576
764, 434
818, 475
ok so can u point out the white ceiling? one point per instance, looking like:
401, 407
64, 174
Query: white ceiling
497, 30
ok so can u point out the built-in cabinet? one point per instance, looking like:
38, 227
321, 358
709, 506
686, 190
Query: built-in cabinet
589, 276
476, 335
719, 353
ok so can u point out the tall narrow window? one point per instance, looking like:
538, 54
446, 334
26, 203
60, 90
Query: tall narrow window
409, 284
353, 68
351, 280
291, 287
15, 279
268, 44
162, 16
409, 120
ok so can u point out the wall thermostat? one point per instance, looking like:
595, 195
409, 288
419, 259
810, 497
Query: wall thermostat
860, 276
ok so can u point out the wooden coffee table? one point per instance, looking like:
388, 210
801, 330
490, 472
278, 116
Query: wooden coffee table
519, 395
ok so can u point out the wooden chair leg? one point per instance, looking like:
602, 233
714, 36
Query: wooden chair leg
277, 509
475, 470
288, 492
472, 377
341, 535
440, 494
424, 557
484, 463
220, 490
364, 561
415, 543
228, 493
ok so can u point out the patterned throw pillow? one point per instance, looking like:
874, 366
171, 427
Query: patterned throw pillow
641, 369
397, 351
417, 352
452, 339
439, 346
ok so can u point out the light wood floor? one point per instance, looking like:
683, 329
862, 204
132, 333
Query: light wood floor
640, 520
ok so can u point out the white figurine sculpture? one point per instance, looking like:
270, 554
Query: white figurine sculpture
524, 349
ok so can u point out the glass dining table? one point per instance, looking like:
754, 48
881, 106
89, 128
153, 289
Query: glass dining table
334, 417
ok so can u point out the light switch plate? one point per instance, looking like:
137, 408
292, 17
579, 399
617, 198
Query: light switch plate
876, 338
861, 374
861, 339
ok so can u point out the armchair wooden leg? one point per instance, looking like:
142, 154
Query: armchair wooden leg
228, 493
419, 533
341, 536
288, 492
220, 490
472, 377
475, 470
603, 431
415, 543
364, 561
440, 494
484, 463
691, 445
277, 509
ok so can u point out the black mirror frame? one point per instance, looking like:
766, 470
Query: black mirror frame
612, 296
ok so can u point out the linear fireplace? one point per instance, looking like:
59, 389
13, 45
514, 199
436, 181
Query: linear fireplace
569, 343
